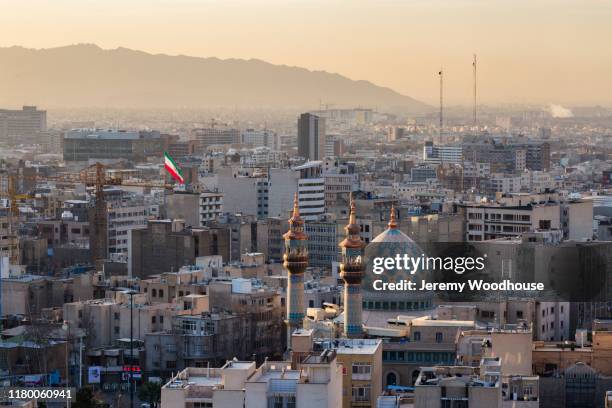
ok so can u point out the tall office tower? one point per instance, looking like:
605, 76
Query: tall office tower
311, 190
311, 136
296, 261
22, 123
351, 272
215, 136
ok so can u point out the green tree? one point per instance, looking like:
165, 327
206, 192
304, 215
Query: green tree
85, 398
150, 392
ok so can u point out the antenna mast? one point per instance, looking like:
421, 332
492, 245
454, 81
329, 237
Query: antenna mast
440, 73
475, 94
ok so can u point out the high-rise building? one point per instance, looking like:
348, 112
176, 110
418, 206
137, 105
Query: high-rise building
25, 122
166, 245
311, 190
351, 272
109, 144
124, 212
259, 138
215, 136
311, 136
323, 236
442, 153
296, 261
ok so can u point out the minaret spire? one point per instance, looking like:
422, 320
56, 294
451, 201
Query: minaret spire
295, 261
392, 220
351, 271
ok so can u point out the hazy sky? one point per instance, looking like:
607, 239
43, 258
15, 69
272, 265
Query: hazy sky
540, 51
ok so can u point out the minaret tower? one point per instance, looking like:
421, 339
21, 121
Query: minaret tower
392, 219
351, 272
295, 261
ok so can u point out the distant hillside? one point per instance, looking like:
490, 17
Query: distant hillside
88, 76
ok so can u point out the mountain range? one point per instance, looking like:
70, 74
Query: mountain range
85, 75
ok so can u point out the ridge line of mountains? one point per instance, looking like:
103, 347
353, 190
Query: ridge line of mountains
85, 75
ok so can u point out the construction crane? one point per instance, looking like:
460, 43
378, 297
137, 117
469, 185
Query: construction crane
92, 176
441, 129
13, 197
95, 175
474, 119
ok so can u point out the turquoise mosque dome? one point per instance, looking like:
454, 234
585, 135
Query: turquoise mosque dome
390, 243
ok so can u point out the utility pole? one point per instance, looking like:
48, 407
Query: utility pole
131, 348
100, 221
66, 327
441, 74
81, 361
475, 123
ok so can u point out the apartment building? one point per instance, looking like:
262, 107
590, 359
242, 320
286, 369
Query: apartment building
166, 245
311, 190
253, 192
110, 144
513, 217
124, 213
210, 205
311, 136
317, 383
261, 138
430, 341
459, 386
323, 237
215, 136
361, 360
26, 122
442, 153
107, 320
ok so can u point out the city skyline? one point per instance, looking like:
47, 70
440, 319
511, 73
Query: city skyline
400, 45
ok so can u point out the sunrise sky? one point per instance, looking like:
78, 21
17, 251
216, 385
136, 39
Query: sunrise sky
529, 51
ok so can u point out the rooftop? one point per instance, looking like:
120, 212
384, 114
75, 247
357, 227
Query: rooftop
351, 346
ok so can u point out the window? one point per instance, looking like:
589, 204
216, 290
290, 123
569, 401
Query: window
154, 292
116, 316
170, 364
519, 314
116, 329
153, 319
487, 314
439, 337
417, 336
362, 371
189, 325
360, 394
281, 401
161, 293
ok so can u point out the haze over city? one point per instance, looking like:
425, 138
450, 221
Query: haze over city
529, 52
306, 204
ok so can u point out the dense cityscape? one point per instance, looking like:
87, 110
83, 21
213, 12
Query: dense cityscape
305, 204
212, 263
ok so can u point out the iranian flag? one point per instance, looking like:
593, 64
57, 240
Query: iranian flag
173, 168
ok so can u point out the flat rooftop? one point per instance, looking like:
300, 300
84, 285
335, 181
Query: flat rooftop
429, 322
352, 346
